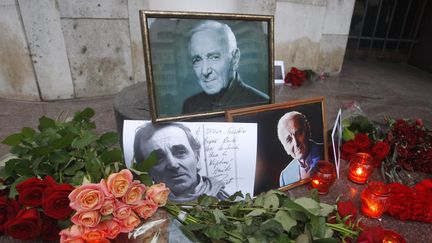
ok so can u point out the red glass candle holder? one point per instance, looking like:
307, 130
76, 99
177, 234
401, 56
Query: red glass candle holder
324, 177
361, 167
392, 237
374, 199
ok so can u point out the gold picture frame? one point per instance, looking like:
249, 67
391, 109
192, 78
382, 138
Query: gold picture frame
174, 80
272, 165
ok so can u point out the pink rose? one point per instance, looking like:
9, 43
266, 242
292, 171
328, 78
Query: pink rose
122, 210
135, 193
87, 197
87, 219
129, 223
158, 193
94, 235
72, 234
146, 209
111, 228
117, 184
108, 206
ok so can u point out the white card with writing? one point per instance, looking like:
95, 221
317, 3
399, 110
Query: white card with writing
228, 151
337, 141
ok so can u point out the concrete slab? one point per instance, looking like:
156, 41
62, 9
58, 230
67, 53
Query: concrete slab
93, 8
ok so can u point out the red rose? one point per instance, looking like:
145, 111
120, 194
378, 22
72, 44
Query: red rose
26, 225
361, 140
380, 150
349, 147
371, 235
55, 201
8, 210
30, 192
50, 229
424, 186
346, 208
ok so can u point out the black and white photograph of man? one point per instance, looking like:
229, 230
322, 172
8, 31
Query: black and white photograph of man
202, 65
178, 161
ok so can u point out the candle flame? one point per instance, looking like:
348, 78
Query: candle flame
316, 181
359, 171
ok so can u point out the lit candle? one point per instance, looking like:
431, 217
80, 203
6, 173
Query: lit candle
360, 167
324, 177
374, 199
392, 237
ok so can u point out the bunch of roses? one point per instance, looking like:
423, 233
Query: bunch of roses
43, 203
295, 77
111, 207
407, 203
413, 142
362, 143
347, 214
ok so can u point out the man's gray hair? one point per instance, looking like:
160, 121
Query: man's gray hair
145, 132
217, 26
290, 115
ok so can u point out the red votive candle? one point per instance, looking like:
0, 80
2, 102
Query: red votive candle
374, 199
361, 167
324, 177
392, 237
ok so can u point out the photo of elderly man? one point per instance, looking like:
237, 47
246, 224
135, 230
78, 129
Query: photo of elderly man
178, 161
215, 58
294, 133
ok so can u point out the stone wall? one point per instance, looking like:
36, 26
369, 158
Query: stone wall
60, 49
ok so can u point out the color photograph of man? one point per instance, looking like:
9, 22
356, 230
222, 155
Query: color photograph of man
215, 58
178, 166
294, 133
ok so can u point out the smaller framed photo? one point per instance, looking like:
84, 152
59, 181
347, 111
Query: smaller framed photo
337, 140
279, 72
291, 141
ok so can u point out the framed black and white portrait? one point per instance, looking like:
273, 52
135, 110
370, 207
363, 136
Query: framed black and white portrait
201, 64
291, 141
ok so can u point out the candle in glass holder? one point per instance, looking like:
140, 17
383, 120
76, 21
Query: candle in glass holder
392, 237
324, 177
361, 167
374, 199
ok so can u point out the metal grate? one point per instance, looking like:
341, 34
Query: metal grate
385, 29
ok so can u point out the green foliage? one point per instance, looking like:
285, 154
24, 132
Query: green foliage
269, 217
358, 124
69, 151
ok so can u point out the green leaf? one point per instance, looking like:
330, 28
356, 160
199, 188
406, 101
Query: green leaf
271, 200
12, 191
206, 200
326, 240
64, 141
236, 195
270, 228
283, 238
86, 139
109, 138
11, 164
215, 232
285, 220
59, 157
41, 151
189, 234
147, 164
13, 139
218, 215
86, 114
195, 227
94, 169
112, 156
303, 238
325, 209
259, 200
256, 212
78, 178
27, 132
19, 150
22, 167
45, 123
309, 204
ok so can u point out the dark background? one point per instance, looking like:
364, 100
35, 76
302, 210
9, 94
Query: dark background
271, 156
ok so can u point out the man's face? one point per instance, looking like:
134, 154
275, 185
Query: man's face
177, 166
211, 60
294, 138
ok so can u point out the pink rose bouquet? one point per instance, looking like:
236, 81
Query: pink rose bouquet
112, 206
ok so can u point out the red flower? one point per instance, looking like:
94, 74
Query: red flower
50, 229
55, 201
26, 225
295, 77
380, 150
346, 208
8, 210
30, 192
373, 234
361, 140
424, 186
349, 147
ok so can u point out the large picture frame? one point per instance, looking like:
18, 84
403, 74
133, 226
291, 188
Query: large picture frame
202, 64
275, 168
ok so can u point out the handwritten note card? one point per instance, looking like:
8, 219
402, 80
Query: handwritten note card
228, 151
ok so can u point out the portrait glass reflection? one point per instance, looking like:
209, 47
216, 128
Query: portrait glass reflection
204, 64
